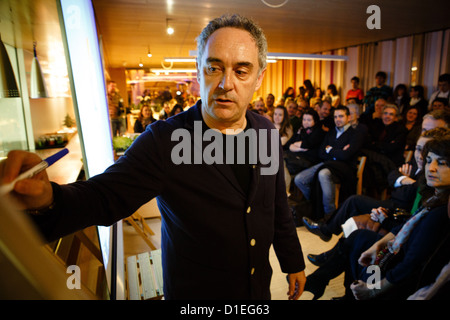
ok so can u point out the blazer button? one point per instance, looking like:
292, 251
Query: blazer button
249, 209
252, 242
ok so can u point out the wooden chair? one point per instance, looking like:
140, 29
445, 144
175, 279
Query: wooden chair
144, 276
359, 176
144, 230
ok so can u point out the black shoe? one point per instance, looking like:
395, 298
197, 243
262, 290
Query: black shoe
315, 286
318, 259
315, 228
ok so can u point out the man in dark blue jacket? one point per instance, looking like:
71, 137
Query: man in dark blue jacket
219, 216
338, 154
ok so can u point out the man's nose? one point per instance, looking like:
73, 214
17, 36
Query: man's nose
226, 82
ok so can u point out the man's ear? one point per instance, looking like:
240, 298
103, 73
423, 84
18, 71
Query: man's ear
260, 79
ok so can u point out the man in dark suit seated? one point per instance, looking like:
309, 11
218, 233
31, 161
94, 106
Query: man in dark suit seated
388, 136
338, 154
384, 149
325, 112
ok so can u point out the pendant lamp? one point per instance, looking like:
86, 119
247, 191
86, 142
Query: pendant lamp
8, 84
38, 88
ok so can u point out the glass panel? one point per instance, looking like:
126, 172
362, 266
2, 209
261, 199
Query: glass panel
12, 122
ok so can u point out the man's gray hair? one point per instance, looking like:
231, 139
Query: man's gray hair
239, 22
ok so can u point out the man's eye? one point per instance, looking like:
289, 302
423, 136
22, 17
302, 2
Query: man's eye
212, 69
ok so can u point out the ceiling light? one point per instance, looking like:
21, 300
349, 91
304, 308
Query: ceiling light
149, 54
155, 70
8, 84
181, 59
170, 30
304, 56
140, 63
294, 56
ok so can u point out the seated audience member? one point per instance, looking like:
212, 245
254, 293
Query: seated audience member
413, 123
260, 108
144, 119
430, 287
338, 153
289, 93
291, 107
443, 89
317, 98
384, 150
380, 91
270, 104
355, 92
404, 184
361, 128
401, 98
439, 104
388, 137
333, 94
434, 119
303, 147
374, 118
309, 90
325, 116
417, 99
165, 112
176, 110
302, 105
281, 122
401, 254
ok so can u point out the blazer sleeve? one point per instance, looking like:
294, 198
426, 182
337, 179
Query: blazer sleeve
133, 180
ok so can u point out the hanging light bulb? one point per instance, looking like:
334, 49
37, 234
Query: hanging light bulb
38, 88
149, 54
8, 84
170, 30
140, 63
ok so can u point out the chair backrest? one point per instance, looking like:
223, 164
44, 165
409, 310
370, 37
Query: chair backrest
359, 174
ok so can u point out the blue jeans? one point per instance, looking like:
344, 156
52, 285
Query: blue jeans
304, 179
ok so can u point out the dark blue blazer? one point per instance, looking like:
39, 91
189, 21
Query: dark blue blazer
215, 236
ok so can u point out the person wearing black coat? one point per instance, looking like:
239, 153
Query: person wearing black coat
338, 154
220, 218
301, 151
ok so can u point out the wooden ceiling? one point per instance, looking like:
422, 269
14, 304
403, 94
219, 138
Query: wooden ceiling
130, 28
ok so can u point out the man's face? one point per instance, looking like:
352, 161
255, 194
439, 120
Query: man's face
389, 116
112, 87
429, 123
437, 105
270, 100
291, 109
340, 118
228, 74
379, 81
379, 105
324, 110
259, 106
443, 86
355, 84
